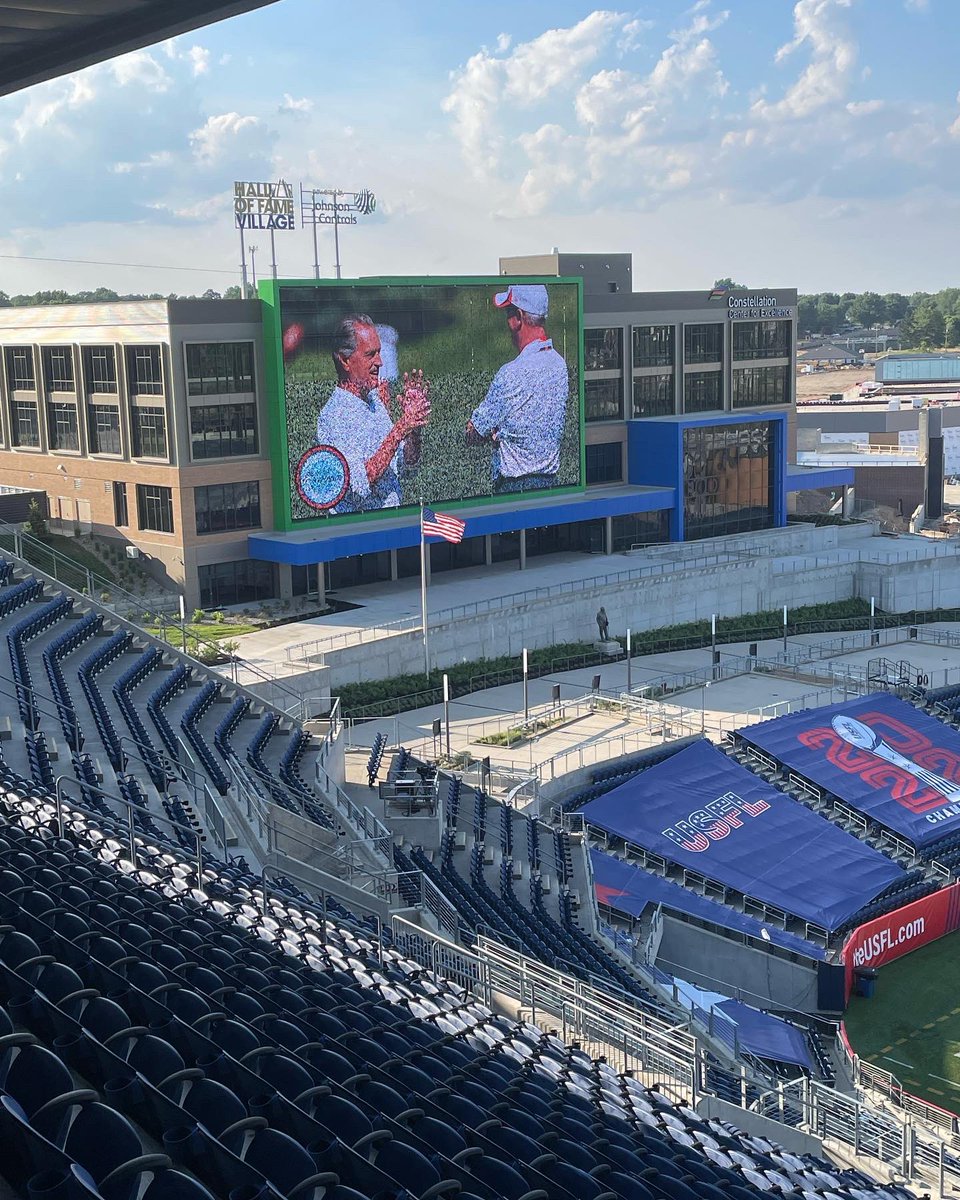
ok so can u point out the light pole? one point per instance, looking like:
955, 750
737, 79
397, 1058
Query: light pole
526, 696
446, 709
253, 265
629, 689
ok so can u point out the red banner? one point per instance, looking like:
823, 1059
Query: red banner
897, 933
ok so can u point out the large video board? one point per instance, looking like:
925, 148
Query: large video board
393, 393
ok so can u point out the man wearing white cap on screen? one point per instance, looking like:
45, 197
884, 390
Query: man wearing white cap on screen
524, 409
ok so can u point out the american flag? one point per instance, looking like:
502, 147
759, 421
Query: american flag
434, 524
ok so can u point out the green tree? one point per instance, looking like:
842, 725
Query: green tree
924, 324
896, 305
830, 314
807, 318
867, 309
36, 522
952, 335
727, 282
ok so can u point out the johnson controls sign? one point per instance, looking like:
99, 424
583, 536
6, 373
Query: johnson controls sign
758, 308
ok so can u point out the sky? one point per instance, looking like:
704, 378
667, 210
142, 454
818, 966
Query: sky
813, 144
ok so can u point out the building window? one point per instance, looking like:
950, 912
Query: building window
605, 462
653, 345
20, 371
242, 582
640, 529
154, 508
226, 506
603, 400
702, 391
703, 343
603, 349
121, 514
219, 368
64, 428
761, 339
728, 479
24, 423
144, 371
653, 396
149, 432
223, 430
104, 428
58, 368
757, 386
100, 369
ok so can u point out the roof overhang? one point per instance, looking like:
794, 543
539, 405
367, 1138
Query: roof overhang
41, 39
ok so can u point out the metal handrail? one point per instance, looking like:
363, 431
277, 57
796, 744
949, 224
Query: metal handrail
137, 603
60, 786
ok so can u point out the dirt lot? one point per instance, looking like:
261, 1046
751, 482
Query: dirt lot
822, 383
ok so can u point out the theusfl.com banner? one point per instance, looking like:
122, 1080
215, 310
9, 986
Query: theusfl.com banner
897, 933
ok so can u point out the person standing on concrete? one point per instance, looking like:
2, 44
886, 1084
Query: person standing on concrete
602, 623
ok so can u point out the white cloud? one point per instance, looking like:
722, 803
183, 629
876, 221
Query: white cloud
818, 27
289, 105
537, 126
199, 59
120, 137
916, 5
517, 79
211, 141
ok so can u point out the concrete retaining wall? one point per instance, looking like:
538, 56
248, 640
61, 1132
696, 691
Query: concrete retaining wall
708, 959
676, 595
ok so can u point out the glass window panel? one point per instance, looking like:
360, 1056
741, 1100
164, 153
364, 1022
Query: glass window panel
21, 375
603, 349
227, 506
762, 339
242, 582
653, 395
154, 508
121, 515
149, 432
63, 426
144, 371
58, 368
702, 391
100, 368
104, 428
25, 423
603, 399
703, 343
728, 479
219, 368
653, 345
757, 386
223, 430
605, 462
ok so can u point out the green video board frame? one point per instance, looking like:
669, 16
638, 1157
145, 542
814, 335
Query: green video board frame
269, 293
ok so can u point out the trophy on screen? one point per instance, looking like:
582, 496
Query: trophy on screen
864, 738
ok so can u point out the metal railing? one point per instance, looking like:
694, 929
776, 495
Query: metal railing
132, 810
84, 583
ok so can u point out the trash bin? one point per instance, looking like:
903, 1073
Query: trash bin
865, 980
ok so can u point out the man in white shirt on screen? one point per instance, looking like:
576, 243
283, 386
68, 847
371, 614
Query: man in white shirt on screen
357, 421
523, 412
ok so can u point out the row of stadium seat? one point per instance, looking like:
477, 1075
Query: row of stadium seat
274, 1054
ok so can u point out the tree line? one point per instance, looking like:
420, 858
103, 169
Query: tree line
103, 295
925, 320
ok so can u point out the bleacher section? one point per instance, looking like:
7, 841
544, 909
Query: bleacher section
164, 1036
703, 813
878, 755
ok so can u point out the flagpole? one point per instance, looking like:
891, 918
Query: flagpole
423, 595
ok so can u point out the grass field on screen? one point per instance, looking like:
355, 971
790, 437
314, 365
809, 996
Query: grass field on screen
911, 1026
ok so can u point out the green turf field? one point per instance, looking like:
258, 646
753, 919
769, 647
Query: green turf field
911, 1027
